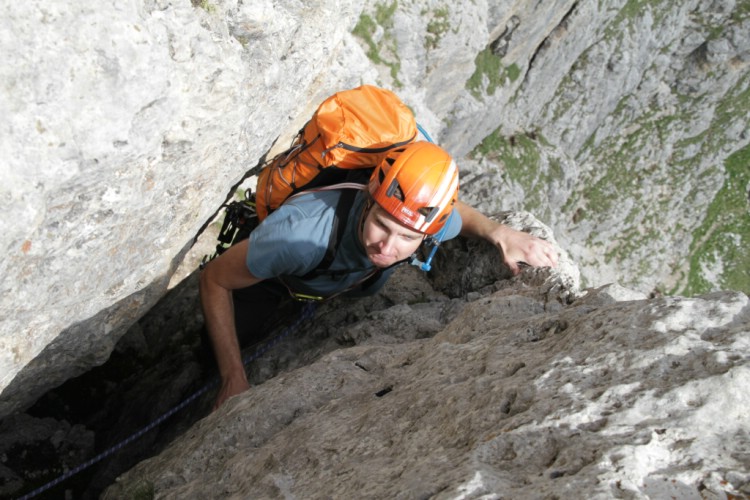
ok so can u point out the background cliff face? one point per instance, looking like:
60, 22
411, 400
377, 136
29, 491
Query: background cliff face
621, 124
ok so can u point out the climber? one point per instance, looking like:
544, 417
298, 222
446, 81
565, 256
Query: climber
411, 195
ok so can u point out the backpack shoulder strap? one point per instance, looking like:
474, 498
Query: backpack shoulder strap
340, 219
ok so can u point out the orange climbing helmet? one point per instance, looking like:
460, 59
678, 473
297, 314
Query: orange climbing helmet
418, 185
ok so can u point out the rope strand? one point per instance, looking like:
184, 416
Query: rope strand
306, 313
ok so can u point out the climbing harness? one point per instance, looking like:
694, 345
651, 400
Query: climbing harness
307, 312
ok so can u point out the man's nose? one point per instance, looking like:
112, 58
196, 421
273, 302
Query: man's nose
387, 243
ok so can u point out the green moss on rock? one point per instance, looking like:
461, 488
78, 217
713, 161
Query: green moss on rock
721, 245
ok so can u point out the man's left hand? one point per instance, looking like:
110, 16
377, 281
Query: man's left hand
519, 248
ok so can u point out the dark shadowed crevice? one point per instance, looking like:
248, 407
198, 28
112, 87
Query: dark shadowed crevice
561, 26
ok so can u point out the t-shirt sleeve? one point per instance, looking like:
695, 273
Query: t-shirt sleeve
453, 225
287, 242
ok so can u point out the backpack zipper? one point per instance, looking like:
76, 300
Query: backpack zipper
357, 149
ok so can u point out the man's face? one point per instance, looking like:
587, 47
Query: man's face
386, 240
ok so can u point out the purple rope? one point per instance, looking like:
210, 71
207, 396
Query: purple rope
307, 313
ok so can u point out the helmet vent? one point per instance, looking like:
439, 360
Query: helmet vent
394, 190
429, 212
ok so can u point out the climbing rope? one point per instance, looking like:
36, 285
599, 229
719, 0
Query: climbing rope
307, 312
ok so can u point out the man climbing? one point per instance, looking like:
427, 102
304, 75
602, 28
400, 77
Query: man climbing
411, 195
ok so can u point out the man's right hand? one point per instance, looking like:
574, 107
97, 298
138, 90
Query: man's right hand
220, 276
231, 387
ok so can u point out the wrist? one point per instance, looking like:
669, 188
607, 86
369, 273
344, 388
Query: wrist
234, 373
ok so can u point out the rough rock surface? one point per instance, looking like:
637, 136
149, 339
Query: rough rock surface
625, 128
515, 394
127, 125
462, 385
159, 365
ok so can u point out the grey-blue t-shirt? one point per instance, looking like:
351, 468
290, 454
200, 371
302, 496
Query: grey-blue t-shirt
293, 240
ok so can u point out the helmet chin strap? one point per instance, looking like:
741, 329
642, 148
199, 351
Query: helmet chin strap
363, 217
433, 241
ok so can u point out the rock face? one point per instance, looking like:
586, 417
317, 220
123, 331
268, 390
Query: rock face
626, 129
127, 126
517, 393
622, 125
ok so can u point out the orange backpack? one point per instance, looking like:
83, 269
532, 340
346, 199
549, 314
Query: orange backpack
352, 129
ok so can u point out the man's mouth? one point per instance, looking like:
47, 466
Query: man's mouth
380, 259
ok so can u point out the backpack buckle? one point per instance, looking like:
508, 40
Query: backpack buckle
301, 297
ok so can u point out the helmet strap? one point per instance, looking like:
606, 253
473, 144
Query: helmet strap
363, 217
433, 241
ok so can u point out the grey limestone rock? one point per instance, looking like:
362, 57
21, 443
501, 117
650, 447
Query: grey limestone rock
513, 396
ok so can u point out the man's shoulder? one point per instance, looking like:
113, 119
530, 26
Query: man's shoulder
293, 239
316, 204
312, 202
308, 214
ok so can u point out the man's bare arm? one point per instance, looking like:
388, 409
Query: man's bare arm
220, 276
